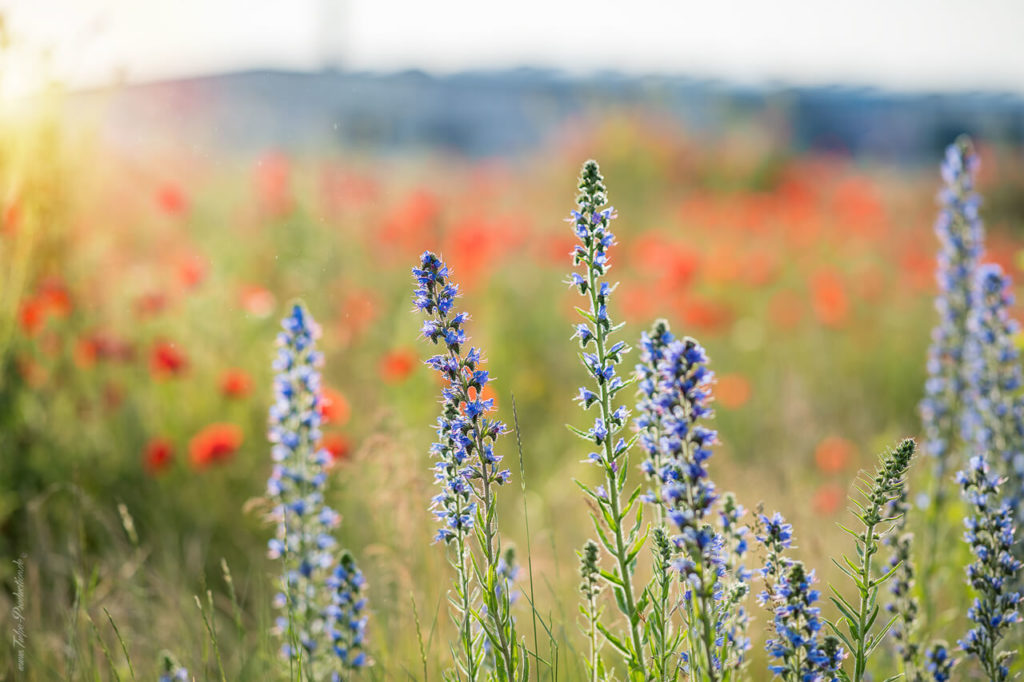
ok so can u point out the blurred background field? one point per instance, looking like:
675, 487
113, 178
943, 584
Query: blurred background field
152, 235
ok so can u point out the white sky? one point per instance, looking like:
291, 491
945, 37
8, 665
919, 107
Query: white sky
915, 44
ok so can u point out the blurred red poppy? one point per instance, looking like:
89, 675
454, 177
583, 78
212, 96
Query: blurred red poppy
171, 199
338, 445
732, 390
150, 304
273, 184
828, 298
191, 271
235, 383
397, 365
215, 443
256, 300
334, 407
166, 360
834, 454
157, 456
828, 499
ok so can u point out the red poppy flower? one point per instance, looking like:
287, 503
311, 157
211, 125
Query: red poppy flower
215, 443
191, 271
256, 300
834, 454
397, 365
828, 499
165, 360
150, 304
171, 199
338, 445
334, 407
273, 184
157, 456
732, 390
829, 298
31, 316
235, 383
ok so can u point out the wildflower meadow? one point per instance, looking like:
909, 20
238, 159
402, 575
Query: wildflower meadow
697, 410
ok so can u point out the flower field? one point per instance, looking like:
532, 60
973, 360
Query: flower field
190, 489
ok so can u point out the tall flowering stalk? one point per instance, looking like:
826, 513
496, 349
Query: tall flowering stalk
735, 547
994, 571
995, 420
673, 401
590, 609
315, 637
877, 494
623, 541
468, 471
903, 604
797, 648
961, 242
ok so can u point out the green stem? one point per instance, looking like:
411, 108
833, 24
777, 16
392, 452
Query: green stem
870, 547
611, 478
464, 626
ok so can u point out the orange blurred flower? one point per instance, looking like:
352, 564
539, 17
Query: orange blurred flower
171, 199
358, 310
191, 271
834, 454
334, 407
411, 226
706, 315
150, 304
828, 499
397, 365
256, 300
338, 445
828, 298
732, 390
52, 301
273, 184
166, 361
215, 443
31, 316
235, 383
157, 456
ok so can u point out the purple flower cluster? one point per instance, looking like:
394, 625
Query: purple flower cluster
678, 445
961, 239
994, 420
465, 435
938, 663
993, 573
347, 614
800, 653
304, 523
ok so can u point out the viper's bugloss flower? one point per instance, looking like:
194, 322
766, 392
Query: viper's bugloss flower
170, 669
961, 239
902, 602
464, 449
994, 571
648, 422
304, 523
799, 650
674, 391
938, 662
346, 626
994, 418
591, 224
467, 468
776, 536
734, 552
